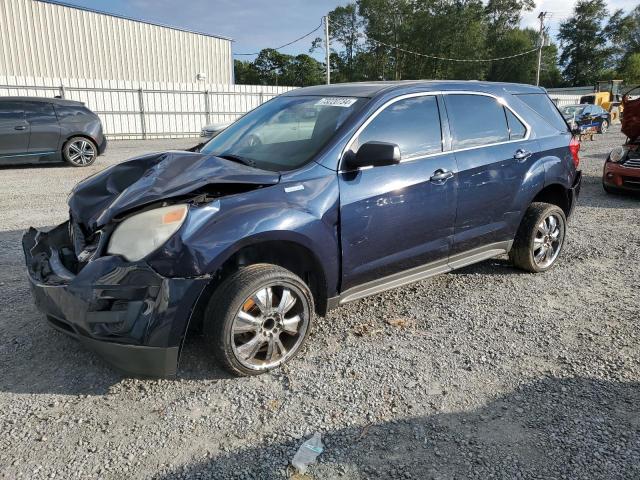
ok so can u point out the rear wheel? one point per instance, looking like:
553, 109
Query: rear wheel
80, 152
540, 238
604, 126
258, 319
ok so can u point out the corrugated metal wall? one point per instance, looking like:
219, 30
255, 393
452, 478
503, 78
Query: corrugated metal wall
39, 39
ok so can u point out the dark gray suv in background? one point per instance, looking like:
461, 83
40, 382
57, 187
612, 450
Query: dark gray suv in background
38, 130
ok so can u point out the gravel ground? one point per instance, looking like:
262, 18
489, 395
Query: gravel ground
483, 373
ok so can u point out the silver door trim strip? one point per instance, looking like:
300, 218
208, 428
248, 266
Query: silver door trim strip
422, 272
31, 154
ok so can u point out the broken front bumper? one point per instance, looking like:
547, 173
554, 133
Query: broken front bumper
127, 313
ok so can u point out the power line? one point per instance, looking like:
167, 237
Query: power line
400, 49
436, 57
286, 44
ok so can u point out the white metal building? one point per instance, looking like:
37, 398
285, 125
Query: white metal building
50, 39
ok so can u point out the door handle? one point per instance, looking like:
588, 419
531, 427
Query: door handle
19, 127
521, 155
441, 176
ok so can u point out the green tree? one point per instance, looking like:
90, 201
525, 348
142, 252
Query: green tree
344, 29
505, 15
519, 69
389, 22
304, 71
584, 43
623, 30
245, 73
630, 69
454, 29
274, 68
550, 75
271, 66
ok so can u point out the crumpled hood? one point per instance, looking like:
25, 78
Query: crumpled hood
95, 201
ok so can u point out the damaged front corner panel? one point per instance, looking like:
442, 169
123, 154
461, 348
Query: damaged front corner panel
126, 312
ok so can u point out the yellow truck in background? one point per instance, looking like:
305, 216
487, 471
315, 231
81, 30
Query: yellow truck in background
607, 95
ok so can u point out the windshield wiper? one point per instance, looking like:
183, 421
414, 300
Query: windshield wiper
236, 158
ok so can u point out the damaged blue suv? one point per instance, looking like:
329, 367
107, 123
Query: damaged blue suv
321, 196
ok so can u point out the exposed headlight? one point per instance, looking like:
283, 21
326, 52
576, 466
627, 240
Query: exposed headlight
618, 154
139, 235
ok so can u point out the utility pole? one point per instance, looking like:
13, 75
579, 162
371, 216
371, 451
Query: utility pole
540, 45
327, 46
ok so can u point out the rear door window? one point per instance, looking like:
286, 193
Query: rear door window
476, 120
543, 106
40, 113
11, 112
412, 123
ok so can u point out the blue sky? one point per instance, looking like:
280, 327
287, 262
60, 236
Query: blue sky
252, 24
257, 24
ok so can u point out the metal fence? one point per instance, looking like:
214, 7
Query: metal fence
568, 96
563, 100
152, 111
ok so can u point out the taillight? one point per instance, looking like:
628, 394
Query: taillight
574, 148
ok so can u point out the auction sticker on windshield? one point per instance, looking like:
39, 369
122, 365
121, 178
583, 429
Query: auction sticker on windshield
337, 101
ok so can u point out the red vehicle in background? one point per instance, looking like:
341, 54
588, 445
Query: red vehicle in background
622, 168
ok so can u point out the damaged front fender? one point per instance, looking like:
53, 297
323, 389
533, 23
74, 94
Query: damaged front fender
214, 232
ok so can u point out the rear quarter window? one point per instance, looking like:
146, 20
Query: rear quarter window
543, 106
72, 113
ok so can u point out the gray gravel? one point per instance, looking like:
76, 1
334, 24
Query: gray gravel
482, 373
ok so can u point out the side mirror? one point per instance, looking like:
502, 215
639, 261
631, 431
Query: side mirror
373, 154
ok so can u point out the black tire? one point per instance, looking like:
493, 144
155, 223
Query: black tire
614, 190
604, 127
80, 151
522, 252
607, 189
233, 294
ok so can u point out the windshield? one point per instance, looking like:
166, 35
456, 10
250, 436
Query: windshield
572, 110
284, 133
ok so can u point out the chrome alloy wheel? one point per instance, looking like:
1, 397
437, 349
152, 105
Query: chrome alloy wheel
81, 152
269, 327
548, 241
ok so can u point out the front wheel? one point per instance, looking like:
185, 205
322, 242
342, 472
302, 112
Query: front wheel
258, 319
540, 238
80, 152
